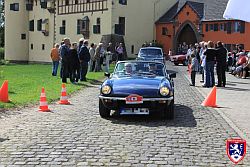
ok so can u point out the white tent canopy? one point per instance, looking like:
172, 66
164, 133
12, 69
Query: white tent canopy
238, 9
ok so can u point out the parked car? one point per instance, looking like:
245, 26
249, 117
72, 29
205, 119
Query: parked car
179, 59
138, 87
151, 54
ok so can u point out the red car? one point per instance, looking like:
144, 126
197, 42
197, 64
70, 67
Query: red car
179, 59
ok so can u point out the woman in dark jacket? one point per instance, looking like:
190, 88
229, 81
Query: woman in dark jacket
74, 64
209, 67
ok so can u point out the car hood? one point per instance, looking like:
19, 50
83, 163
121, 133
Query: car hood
144, 86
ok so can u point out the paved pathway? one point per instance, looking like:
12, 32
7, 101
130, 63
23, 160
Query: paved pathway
75, 135
233, 102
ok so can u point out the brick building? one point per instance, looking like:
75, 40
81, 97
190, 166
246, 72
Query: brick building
200, 20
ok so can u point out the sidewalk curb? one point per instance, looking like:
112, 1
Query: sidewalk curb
227, 119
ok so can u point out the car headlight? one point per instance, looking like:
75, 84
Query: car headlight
164, 91
106, 89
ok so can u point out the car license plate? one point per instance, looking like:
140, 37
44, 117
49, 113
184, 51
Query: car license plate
134, 99
134, 111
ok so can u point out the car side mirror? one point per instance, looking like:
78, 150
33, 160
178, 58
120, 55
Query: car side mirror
106, 74
172, 75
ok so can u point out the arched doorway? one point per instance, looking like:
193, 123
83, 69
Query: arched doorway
186, 33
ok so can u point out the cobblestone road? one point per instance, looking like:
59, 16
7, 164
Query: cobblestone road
75, 135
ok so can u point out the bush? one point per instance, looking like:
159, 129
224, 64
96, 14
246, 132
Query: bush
4, 62
1, 53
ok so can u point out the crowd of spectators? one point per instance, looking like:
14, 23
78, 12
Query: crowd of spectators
77, 59
206, 56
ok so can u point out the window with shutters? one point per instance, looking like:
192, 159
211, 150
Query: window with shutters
216, 27
229, 27
43, 4
242, 27
225, 26
14, 6
222, 27
211, 27
123, 2
206, 27
97, 27
31, 25
120, 28
63, 28
23, 36
39, 25
237, 26
164, 31
29, 5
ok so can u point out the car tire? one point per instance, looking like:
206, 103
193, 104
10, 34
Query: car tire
103, 111
169, 111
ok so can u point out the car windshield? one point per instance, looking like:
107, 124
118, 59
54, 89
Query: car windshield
150, 52
149, 69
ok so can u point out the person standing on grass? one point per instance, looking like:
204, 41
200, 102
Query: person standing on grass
60, 62
92, 57
74, 64
84, 58
120, 52
55, 59
194, 68
65, 59
97, 58
108, 56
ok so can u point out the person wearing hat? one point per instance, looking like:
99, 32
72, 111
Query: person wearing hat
84, 58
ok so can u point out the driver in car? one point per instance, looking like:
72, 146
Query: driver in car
128, 69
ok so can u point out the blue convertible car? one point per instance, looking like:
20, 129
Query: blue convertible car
138, 87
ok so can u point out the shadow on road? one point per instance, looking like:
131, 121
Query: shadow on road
234, 88
183, 118
2, 140
238, 82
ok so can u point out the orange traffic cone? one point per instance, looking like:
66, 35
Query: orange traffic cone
43, 102
64, 98
210, 101
4, 96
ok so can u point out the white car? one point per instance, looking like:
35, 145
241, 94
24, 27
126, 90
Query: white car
151, 54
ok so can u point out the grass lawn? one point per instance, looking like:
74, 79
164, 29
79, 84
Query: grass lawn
26, 82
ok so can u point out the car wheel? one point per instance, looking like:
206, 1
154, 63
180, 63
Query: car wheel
176, 64
103, 111
169, 111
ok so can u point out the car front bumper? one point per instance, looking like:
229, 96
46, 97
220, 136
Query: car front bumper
153, 104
